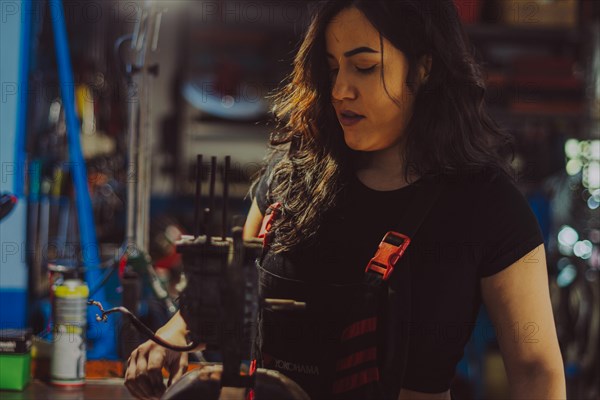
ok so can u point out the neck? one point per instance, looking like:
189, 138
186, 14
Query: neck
383, 169
389, 162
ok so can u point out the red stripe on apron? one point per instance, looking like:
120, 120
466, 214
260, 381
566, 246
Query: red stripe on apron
360, 328
356, 380
357, 358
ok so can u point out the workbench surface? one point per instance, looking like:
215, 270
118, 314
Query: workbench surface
97, 389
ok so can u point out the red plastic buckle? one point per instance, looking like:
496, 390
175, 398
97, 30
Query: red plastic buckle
388, 254
267, 222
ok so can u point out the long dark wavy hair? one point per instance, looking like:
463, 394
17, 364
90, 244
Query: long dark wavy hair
450, 130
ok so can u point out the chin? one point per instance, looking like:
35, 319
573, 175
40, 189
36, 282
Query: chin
354, 144
357, 146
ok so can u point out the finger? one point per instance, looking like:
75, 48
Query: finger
153, 381
180, 370
142, 381
157, 385
130, 374
130, 362
131, 384
156, 360
144, 386
135, 376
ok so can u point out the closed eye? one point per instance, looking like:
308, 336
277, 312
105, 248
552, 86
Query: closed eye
364, 71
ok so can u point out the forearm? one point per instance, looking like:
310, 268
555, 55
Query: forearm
175, 326
175, 331
538, 383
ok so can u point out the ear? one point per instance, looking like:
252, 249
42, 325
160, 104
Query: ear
424, 68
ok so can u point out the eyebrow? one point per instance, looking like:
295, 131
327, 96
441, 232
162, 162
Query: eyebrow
358, 50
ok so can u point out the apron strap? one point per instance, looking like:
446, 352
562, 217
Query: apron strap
399, 294
388, 302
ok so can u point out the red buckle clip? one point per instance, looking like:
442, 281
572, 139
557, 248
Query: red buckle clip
388, 253
271, 213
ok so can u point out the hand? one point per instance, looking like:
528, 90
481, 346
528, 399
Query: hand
143, 377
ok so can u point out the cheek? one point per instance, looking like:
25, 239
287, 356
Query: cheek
388, 112
388, 101
390, 119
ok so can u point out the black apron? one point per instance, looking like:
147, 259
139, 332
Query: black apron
337, 341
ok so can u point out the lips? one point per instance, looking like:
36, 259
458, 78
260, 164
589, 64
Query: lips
350, 114
349, 121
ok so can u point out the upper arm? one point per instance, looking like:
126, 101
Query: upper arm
518, 302
260, 202
253, 222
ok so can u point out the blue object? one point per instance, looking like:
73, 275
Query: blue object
14, 44
472, 365
22, 108
572, 370
102, 339
246, 105
13, 317
540, 205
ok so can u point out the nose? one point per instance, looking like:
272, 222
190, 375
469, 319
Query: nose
342, 88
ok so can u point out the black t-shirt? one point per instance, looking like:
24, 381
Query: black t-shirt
480, 225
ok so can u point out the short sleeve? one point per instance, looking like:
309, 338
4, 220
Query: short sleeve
506, 226
261, 190
260, 193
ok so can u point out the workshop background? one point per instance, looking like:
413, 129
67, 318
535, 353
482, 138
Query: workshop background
155, 83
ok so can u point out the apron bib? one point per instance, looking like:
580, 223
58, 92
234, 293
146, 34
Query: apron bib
339, 341
329, 346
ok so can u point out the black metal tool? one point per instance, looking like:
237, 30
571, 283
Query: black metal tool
219, 303
220, 306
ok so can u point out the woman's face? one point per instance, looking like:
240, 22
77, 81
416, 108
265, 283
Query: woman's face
354, 58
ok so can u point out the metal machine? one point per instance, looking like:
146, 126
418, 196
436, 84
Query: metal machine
219, 305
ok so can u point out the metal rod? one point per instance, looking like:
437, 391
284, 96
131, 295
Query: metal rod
156, 30
147, 129
144, 133
225, 195
132, 171
213, 176
136, 28
211, 199
198, 195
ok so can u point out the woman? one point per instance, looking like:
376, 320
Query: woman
384, 96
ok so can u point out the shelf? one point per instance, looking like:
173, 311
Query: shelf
517, 34
506, 115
